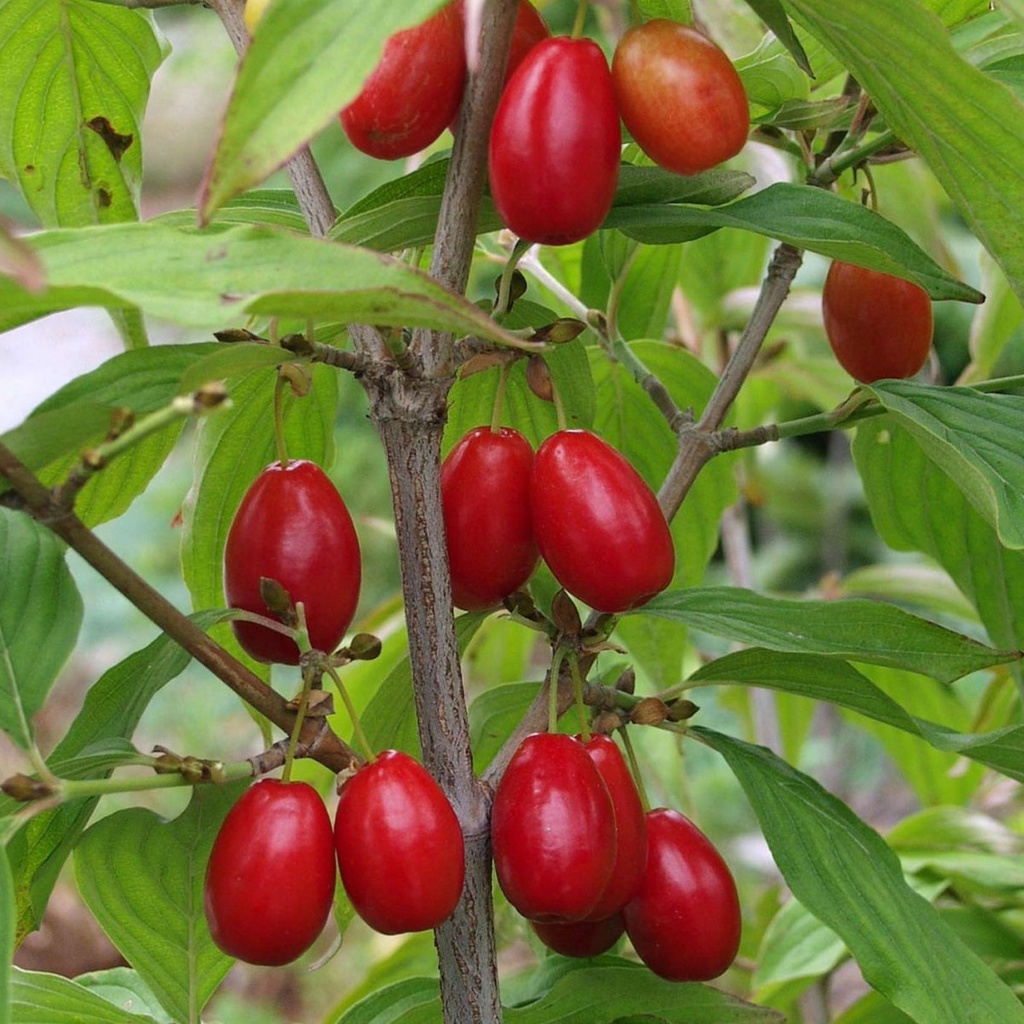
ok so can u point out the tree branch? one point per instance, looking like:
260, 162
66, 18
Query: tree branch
316, 737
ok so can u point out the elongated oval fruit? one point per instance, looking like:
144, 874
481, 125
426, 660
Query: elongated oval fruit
680, 96
399, 846
630, 827
598, 525
413, 92
552, 830
292, 526
555, 143
878, 325
485, 494
581, 938
270, 880
685, 920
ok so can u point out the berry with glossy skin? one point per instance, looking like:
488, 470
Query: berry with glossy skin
684, 921
270, 879
878, 325
581, 938
630, 825
399, 846
680, 96
485, 494
413, 92
552, 830
598, 525
292, 526
555, 143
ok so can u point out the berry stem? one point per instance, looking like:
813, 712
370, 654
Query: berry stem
499, 397
556, 671
279, 441
556, 397
634, 767
577, 689
581, 17
357, 726
504, 299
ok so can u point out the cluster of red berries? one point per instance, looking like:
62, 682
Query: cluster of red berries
556, 140
578, 857
577, 503
270, 881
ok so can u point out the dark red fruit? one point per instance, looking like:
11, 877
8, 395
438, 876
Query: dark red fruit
413, 92
293, 527
597, 523
399, 846
630, 825
270, 878
485, 492
552, 830
581, 938
684, 922
680, 96
878, 325
530, 28
555, 143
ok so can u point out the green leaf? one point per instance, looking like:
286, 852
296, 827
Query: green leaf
411, 1001
492, 717
974, 439
968, 128
123, 988
614, 990
772, 13
828, 679
40, 616
112, 710
848, 629
74, 81
805, 217
8, 916
771, 78
232, 448
276, 206
51, 441
403, 213
845, 875
50, 999
307, 61
994, 323
142, 877
222, 275
915, 508
674, 10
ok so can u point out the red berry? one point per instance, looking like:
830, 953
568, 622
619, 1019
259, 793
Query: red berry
684, 921
878, 325
552, 830
399, 845
485, 492
293, 527
598, 525
580, 938
270, 878
413, 92
555, 143
630, 825
680, 96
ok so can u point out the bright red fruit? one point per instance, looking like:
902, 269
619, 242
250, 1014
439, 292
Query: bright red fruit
684, 922
878, 325
552, 830
680, 96
555, 143
399, 846
630, 825
293, 527
485, 493
580, 938
413, 92
270, 878
598, 525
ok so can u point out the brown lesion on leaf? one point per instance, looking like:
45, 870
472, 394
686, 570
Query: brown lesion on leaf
104, 197
115, 141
